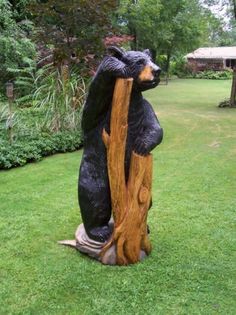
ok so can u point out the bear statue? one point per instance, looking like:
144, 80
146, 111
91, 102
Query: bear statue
144, 132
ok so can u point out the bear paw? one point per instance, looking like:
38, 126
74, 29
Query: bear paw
141, 148
100, 234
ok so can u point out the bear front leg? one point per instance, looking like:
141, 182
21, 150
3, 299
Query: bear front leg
146, 142
151, 133
114, 67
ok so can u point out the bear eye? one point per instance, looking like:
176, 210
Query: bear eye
141, 62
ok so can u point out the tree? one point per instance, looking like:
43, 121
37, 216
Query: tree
233, 89
19, 9
165, 26
221, 22
215, 34
15, 46
74, 28
231, 13
183, 27
141, 19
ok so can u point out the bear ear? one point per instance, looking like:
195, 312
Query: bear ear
116, 52
147, 52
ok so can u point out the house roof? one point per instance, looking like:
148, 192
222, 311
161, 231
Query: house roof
213, 53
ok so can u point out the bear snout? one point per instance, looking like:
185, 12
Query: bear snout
150, 72
156, 72
146, 74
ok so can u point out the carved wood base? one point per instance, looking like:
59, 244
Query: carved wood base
94, 249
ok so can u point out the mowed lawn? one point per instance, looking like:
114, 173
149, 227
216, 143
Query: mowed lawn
191, 269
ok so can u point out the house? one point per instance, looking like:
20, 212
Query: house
212, 58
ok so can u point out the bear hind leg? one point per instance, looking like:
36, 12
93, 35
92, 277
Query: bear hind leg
95, 207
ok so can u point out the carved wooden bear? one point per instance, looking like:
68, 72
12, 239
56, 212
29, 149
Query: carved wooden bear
144, 132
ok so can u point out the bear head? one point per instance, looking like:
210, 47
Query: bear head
141, 68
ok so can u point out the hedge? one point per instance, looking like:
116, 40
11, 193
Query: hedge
33, 148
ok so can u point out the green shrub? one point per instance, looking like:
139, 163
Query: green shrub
58, 93
179, 67
33, 130
61, 98
34, 147
213, 75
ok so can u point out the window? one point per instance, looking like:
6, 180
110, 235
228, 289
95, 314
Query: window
230, 63
227, 63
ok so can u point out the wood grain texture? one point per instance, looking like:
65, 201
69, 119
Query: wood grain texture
131, 200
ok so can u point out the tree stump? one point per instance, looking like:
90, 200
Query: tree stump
131, 200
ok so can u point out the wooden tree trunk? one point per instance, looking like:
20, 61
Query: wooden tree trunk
131, 200
233, 90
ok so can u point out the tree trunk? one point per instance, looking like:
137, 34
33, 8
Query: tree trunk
65, 74
234, 5
232, 101
167, 67
134, 43
233, 90
10, 120
154, 54
131, 200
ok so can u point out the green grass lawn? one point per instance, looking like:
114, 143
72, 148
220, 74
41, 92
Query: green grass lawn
192, 266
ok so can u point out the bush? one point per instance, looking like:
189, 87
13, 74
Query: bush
35, 147
214, 75
179, 67
52, 125
59, 93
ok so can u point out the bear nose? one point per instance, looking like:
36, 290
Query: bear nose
156, 72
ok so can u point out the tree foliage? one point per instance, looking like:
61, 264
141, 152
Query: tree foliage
222, 24
75, 28
15, 46
167, 27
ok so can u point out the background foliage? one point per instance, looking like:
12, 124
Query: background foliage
75, 29
15, 45
50, 49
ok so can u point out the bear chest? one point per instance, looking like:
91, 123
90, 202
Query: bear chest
135, 119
